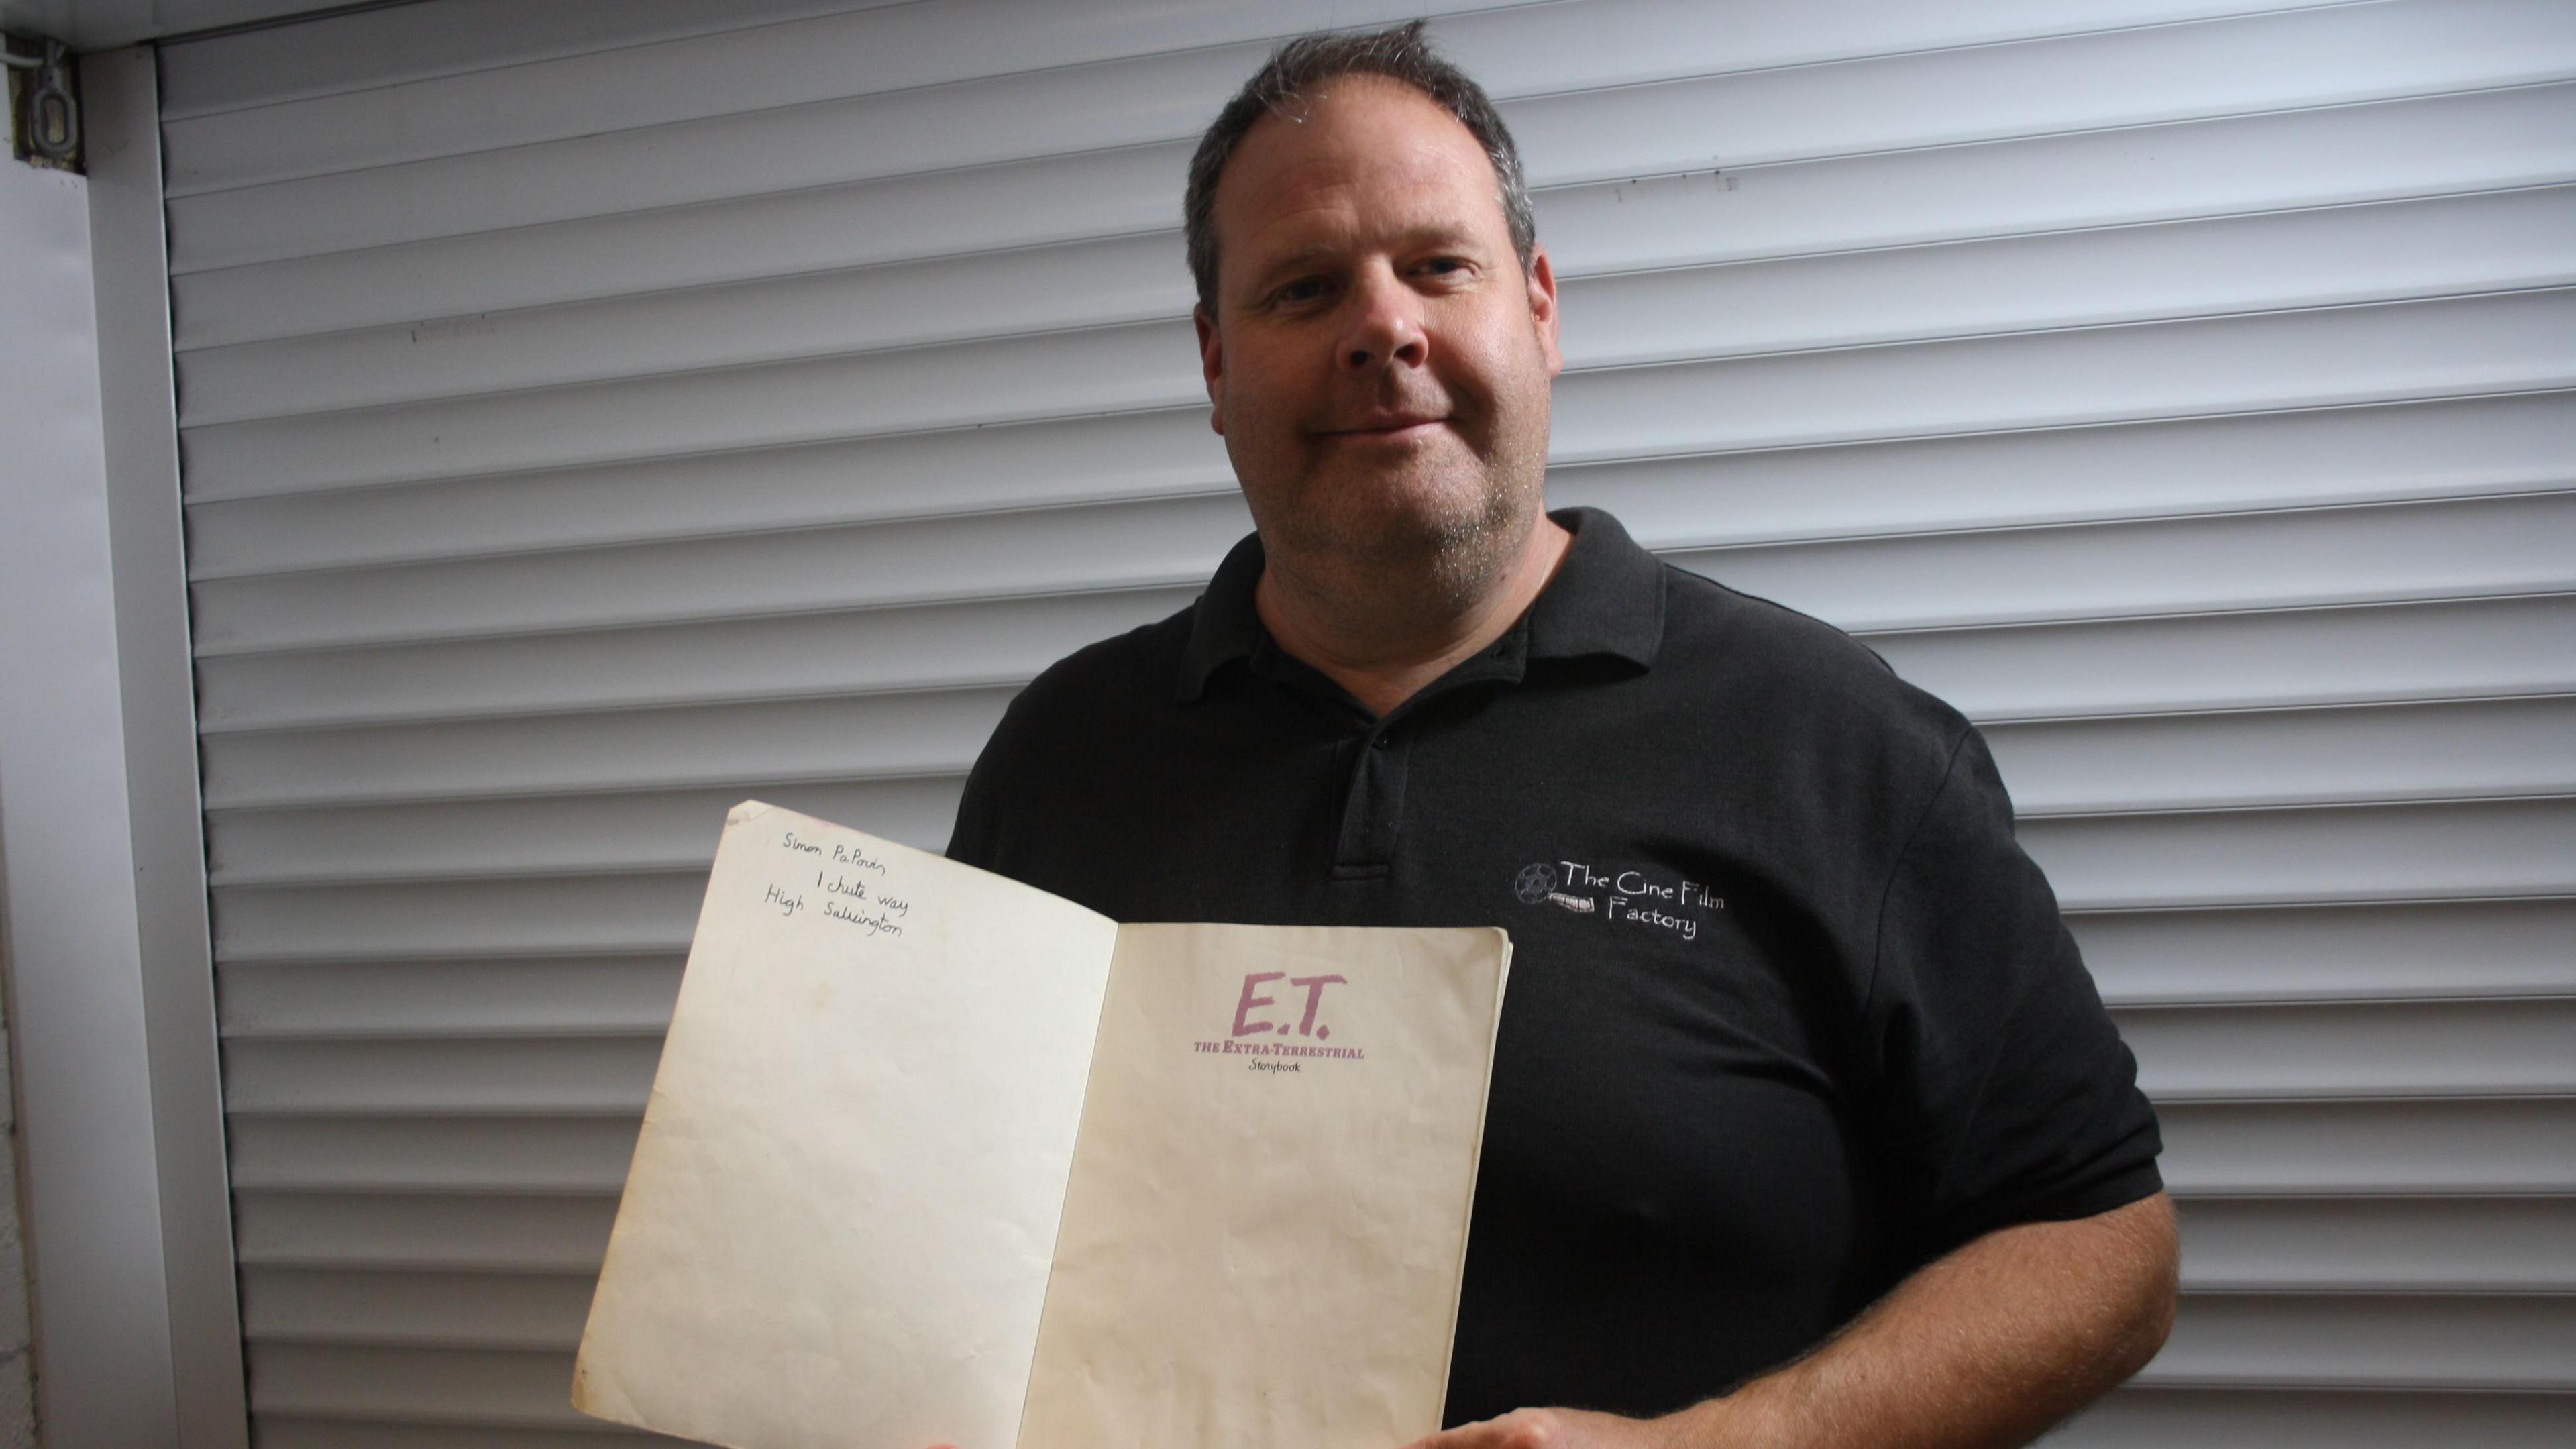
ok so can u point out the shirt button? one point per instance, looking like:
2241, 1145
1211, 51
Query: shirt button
1379, 743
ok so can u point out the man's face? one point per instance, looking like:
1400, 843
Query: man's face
1378, 360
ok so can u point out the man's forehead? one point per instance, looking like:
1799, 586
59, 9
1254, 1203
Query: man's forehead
1316, 213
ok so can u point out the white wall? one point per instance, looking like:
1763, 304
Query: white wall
66, 856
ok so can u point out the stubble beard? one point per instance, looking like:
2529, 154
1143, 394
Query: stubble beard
1373, 560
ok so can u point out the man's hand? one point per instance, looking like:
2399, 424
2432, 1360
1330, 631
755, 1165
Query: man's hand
1555, 1429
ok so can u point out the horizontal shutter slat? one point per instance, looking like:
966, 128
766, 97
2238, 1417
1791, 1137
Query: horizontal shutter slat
621, 915
2463, 1147
1165, 544
280, 1430
2322, 853
2157, 1418
547, 835
2358, 1340
502, 1156
2347, 952
2282, 757
456, 1310
2442, 1245
269, 65
2512, 1047
879, 735
2482, 548
528, 996
452, 1386
422, 1232
542, 1076
2248, 660
939, 646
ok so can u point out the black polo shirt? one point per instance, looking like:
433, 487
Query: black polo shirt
1790, 1013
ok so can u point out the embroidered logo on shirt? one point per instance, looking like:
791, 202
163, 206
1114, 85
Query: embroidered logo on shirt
1631, 897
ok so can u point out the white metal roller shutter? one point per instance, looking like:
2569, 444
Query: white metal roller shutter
593, 413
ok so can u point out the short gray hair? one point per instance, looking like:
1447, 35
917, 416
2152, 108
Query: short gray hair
1294, 70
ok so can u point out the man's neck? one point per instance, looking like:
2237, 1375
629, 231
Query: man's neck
1383, 638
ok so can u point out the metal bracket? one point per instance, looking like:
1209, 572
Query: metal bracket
44, 103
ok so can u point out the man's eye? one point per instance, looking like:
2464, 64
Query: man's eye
1443, 266
1304, 289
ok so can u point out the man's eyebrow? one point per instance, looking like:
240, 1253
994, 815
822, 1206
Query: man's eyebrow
1434, 235
1291, 260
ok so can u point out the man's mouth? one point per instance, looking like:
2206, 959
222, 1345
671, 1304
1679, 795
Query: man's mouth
1394, 427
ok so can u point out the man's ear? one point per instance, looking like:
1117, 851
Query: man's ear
1542, 299
1211, 366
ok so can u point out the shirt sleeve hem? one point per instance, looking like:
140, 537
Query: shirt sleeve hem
2129, 1185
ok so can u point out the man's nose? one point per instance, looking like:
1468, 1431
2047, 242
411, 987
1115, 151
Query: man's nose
1385, 324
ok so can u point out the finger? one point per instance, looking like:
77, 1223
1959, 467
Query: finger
1502, 1433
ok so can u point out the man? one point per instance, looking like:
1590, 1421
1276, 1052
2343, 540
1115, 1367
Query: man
1806, 1126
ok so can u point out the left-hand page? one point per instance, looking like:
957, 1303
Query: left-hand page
840, 1215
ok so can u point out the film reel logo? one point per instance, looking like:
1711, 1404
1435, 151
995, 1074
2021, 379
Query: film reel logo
1535, 883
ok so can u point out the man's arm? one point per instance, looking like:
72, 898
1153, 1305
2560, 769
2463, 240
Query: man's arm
1986, 1346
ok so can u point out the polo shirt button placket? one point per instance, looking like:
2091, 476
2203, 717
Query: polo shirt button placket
1365, 844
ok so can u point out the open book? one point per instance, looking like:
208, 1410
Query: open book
933, 1156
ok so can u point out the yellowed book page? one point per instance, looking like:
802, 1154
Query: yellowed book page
1263, 1236
840, 1215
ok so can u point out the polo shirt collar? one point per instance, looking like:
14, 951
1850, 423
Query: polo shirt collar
1606, 598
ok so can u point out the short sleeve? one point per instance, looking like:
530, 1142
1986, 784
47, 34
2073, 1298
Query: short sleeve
2003, 1092
979, 836
1046, 743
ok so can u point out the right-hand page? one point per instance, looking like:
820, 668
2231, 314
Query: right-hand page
1267, 1215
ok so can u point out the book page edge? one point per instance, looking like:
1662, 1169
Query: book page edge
1475, 1165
